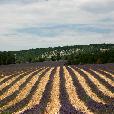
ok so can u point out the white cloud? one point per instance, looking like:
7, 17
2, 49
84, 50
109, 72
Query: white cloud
102, 6
25, 41
20, 14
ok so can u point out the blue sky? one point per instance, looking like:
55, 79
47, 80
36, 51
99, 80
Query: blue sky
26, 24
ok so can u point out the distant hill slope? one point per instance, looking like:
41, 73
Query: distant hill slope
57, 53
76, 54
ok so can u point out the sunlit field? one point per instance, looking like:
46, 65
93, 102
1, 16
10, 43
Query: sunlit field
57, 89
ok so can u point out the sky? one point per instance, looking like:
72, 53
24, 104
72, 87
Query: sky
26, 24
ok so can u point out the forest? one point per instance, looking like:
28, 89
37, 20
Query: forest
7, 58
77, 54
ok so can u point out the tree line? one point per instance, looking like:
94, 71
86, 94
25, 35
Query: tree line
77, 54
99, 57
7, 58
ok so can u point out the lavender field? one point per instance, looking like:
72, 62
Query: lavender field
54, 88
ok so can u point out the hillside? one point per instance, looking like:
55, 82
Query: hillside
59, 53
77, 54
